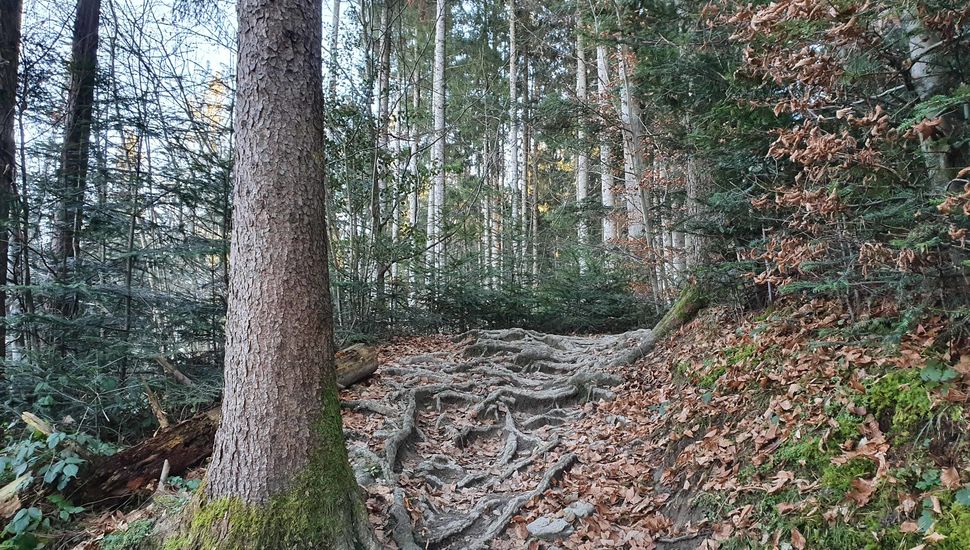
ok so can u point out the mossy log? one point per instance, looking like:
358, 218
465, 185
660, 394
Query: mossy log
135, 470
690, 301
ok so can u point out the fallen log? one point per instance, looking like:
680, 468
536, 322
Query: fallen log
135, 471
356, 363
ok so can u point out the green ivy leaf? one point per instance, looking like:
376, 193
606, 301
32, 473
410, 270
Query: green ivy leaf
963, 496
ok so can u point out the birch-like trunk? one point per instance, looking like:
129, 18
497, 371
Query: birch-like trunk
606, 149
947, 151
334, 41
582, 157
636, 206
512, 150
438, 150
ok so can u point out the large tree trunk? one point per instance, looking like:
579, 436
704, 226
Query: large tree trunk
280, 476
10, 16
74, 156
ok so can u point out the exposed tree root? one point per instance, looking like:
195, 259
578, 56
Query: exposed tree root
471, 436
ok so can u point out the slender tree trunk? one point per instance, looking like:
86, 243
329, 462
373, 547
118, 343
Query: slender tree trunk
606, 149
438, 151
10, 17
636, 207
381, 153
582, 157
512, 151
524, 178
334, 41
74, 156
414, 142
699, 185
280, 477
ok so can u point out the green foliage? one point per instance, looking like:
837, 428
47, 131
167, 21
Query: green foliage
837, 479
46, 463
131, 538
903, 397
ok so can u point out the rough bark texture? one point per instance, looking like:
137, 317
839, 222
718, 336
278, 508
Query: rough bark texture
77, 133
280, 473
10, 15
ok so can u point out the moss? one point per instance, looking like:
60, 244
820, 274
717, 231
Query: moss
837, 479
176, 543
321, 509
740, 354
709, 380
954, 524
807, 453
902, 394
691, 301
131, 538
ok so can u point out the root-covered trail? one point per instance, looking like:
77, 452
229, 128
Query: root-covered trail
453, 444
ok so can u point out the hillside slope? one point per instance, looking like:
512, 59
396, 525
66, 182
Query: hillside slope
798, 427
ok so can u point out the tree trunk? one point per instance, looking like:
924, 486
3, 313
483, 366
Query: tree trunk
512, 151
947, 151
10, 16
74, 156
582, 157
606, 151
280, 476
438, 150
636, 207
334, 41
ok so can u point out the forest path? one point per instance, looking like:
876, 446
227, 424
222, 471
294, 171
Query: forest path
451, 445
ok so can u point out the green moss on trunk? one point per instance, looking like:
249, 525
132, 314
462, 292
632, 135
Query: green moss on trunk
690, 301
322, 508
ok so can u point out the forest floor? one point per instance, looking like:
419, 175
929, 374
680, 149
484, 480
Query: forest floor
803, 426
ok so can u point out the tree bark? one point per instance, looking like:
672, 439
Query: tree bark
947, 151
636, 207
74, 156
10, 17
438, 150
280, 476
512, 151
606, 152
582, 156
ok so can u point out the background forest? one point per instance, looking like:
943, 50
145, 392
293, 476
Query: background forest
564, 166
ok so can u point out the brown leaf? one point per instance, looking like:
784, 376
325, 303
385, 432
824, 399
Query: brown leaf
927, 128
797, 540
908, 527
950, 478
861, 491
